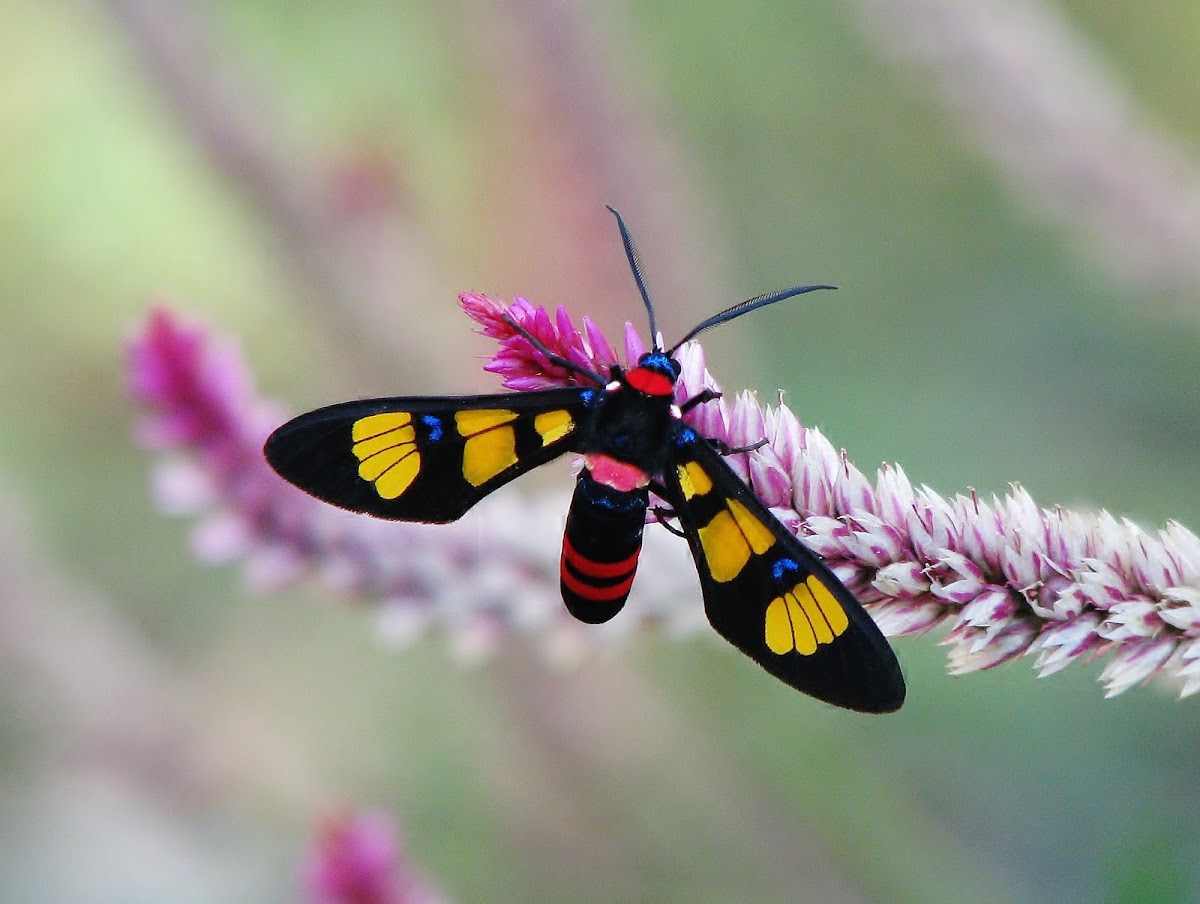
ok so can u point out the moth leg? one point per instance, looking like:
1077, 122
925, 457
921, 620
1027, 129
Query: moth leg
705, 395
725, 449
661, 514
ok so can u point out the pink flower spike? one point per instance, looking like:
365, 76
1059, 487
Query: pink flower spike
899, 618
602, 353
769, 478
711, 419
903, 581
572, 339
693, 374
747, 423
1136, 662
634, 346
1187, 675
523, 366
487, 313
957, 578
1059, 646
872, 542
993, 606
989, 652
1132, 619
852, 491
814, 470
1182, 610
894, 494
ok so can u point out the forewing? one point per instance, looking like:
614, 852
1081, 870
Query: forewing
424, 459
769, 595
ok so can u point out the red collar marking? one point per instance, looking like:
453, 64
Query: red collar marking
650, 382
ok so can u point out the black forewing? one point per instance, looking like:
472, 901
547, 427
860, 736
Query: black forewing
440, 473
855, 668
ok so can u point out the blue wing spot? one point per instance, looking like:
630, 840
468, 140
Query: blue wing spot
685, 437
782, 567
435, 427
588, 396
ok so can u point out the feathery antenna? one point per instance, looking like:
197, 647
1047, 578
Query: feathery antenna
745, 307
635, 264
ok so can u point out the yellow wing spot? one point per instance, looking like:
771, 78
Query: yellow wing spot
693, 480
819, 625
725, 548
757, 535
374, 424
553, 425
807, 638
487, 454
730, 538
396, 479
478, 420
372, 467
779, 635
830, 607
385, 446
365, 448
806, 617
787, 625
391, 470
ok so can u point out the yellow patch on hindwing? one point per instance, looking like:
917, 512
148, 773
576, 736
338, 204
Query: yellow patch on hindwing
386, 449
693, 480
838, 620
730, 538
552, 426
491, 445
804, 618
787, 625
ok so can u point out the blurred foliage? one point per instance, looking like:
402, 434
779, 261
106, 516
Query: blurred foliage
971, 342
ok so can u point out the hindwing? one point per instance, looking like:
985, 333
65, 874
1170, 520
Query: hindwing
425, 459
768, 594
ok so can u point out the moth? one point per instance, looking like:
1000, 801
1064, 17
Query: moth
429, 459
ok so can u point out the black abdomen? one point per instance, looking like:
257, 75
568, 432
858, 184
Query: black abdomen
600, 548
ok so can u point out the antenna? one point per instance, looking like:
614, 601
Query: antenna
745, 307
635, 264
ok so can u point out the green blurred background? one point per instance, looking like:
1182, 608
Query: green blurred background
1020, 272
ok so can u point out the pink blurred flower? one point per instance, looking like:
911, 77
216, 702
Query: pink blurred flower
356, 858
